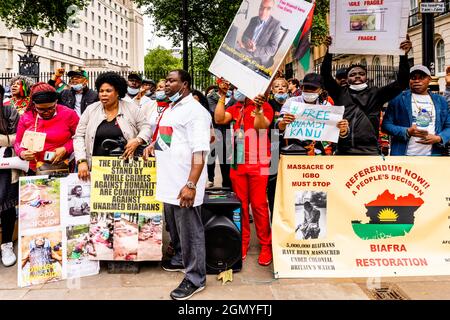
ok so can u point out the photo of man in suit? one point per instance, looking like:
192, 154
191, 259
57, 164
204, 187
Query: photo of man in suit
262, 36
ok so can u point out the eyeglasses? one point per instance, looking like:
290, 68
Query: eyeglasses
44, 110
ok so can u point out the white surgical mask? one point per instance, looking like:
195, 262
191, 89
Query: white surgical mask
176, 96
77, 87
358, 87
310, 96
160, 95
239, 96
133, 91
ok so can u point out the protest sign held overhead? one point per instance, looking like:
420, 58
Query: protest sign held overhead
368, 26
257, 41
314, 122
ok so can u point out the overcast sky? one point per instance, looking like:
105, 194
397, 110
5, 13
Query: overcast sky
151, 41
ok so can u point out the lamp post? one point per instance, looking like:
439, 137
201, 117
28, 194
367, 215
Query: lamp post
29, 63
184, 25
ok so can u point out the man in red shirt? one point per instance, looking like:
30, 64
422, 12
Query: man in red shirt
250, 166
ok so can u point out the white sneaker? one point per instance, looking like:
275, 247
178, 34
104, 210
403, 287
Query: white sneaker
8, 256
210, 184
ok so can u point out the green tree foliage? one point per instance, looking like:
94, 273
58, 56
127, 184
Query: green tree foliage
319, 29
160, 61
52, 16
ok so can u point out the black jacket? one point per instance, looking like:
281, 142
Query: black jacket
362, 108
68, 98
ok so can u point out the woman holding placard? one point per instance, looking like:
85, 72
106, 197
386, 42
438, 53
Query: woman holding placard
45, 130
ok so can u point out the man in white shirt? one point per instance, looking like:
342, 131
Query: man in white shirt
181, 145
417, 120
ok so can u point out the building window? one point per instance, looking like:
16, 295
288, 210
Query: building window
99, 7
85, 55
93, 44
110, 26
110, 38
126, 56
111, 51
126, 34
440, 56
126, 23
52, 44
78, 38
85, 41
85, 27
61, 47
121, 20
99, 21
70, 35
85, 12
121, 43
110, 14
99, 34
363, 62
121, 32
105, 11
106, 36
93, 30
106, 49
117, 29
42, 41
376, 61
99, 47
121, 54
105, 22
117, 53
117, 41
78, 53
126, 45
390, 61
92, 16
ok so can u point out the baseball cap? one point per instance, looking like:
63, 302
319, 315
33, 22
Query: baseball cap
313, 80
420, 68
148, 81
78, 72
134, 75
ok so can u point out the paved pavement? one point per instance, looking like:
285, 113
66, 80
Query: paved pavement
253, 282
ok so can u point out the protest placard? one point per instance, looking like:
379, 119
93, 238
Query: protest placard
361, 216
126, 220
314, 122
257, 41
368, 26
53, 244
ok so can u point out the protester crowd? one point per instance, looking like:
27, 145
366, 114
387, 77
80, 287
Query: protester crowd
189, 132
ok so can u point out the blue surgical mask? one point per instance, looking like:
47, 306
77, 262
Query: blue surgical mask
160, 95
239, 96
229, 93
133, 91
281, 96
77, 87
176, 96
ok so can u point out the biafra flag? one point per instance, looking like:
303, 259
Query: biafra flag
165, 138
389, 209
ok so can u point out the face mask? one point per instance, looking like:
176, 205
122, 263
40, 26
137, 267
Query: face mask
310, 97
160, 95
239, 96
132, 91
77, 87
281, 96
358, 87
176, 96
148, 93
229, 93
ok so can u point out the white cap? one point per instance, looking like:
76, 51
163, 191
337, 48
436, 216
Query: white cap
421, 68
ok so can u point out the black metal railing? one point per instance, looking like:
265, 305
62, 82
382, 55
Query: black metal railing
377, 75
415, 17
200, 79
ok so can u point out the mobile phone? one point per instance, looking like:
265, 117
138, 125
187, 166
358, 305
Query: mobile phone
49, 155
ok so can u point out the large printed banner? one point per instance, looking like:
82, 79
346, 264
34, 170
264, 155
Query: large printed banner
257, 42
126, 219
314, 122
361, 217
54, 241
368, 26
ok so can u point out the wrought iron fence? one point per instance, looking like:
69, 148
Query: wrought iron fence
200, 79
377, 75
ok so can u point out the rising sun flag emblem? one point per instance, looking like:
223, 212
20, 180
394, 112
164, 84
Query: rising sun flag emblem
387, 215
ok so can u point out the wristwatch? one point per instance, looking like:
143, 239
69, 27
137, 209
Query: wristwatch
81, 161
191, 185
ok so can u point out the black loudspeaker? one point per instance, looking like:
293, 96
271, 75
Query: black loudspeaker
221, 216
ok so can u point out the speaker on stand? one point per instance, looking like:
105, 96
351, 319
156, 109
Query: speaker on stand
221, 215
